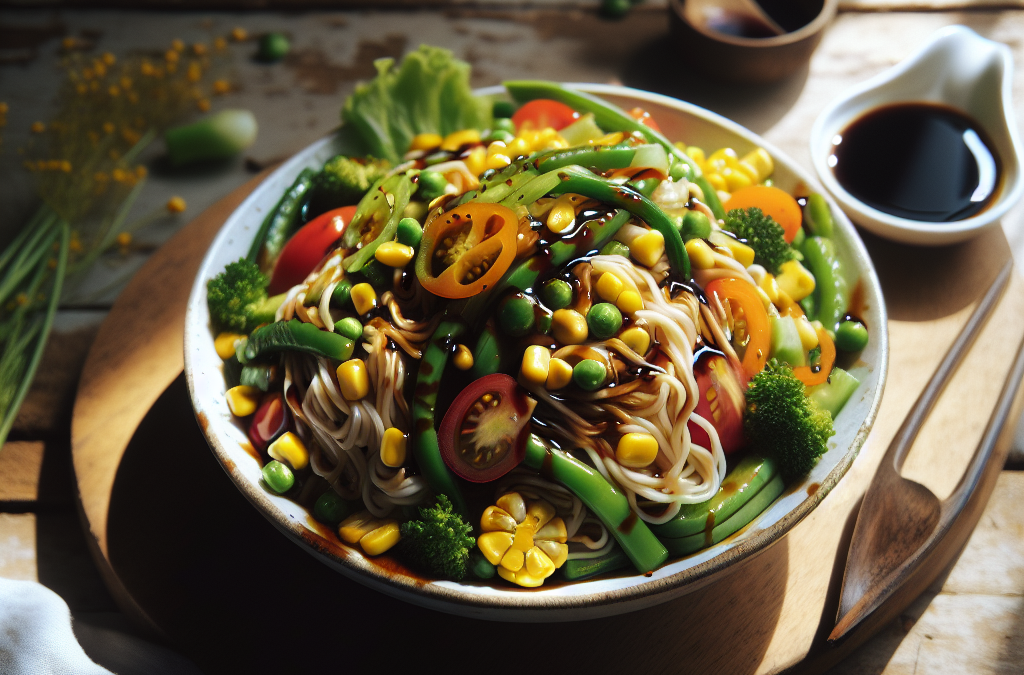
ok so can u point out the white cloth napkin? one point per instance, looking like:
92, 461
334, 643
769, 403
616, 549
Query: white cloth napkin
35, 633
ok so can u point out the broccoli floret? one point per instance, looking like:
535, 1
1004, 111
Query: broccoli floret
439, 542
237, 297
344, 181
762, 234
783, 423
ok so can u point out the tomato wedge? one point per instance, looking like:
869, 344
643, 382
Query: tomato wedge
721, 401
644, 118
307, 248
542, 113
819, 372
270, 421
465, 251
774, 202
483, 434
752, 330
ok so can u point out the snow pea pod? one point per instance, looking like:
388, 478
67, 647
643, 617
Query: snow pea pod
830, 288
281, 223
603, 499
425, 446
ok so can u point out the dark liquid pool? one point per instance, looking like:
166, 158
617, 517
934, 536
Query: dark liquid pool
918, 161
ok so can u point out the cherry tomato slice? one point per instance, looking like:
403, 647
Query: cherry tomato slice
774, 202
307, 248
721, 400
752, 331
542, 113
644, 118
819, 372
483, 434
270, 421
465, 251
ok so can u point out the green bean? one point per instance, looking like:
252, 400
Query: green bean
606, 502
295, 335
349, 327
615, 247
425, 446
486, 353
818, 216
281, 223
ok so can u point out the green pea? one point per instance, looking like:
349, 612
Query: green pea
851, 336
615, 247
504, 124
350, 327
589, 374
331, 508
376, 273
278, 477
273, 47
679, 170
409, 232
479, 566
604, 320
342, 293
431, 185
498, 135
544, 323
695, 225
556, 294
415, 209
516, 316
503, 110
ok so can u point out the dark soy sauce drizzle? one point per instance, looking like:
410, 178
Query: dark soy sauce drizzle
919, 161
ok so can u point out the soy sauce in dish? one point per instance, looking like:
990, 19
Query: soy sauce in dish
919, 161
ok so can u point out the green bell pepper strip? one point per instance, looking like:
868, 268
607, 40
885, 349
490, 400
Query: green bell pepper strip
579, 180
281, 223
740, 485
424, 436
603, 499
374, 207
295, 335
830, 288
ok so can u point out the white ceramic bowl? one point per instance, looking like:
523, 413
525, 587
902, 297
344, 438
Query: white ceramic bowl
588, 599
958, 68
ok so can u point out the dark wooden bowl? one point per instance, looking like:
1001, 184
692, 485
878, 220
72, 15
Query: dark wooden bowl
750, 60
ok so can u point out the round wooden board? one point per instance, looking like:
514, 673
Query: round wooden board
189, 559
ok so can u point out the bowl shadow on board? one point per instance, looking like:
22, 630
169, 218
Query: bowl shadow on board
922, 283
755, 106
235, 595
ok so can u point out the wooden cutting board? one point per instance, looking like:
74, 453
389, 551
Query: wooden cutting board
188, 558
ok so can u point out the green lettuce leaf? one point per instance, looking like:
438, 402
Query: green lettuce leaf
428, 93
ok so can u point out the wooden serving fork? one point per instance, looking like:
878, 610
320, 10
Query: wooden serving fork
900, 521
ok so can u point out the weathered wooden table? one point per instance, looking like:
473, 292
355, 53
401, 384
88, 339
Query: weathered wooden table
971, 622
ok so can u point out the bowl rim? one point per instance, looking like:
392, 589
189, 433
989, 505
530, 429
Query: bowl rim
816, 25
520, 604
834, 118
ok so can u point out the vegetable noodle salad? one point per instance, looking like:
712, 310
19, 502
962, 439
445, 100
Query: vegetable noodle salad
514, 339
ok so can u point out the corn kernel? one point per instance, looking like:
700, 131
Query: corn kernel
463, 358
770, 287
364, 298
224, 344
648, 248
610, 139
562, 215
425, 141
553, 530
747, 169
536, 364
637, 339
795, 280
514, 559
740, 251
381, 539
701, 255
569, 327
458, 139
353, 380
716, 181
243, 400
494, 545
498, 161
357, 526
288, 448
609, 286
538, 564
629, 302
514, 505
476, 162
761, 161
496, 520
392, 448
808, 336
557, 551
696, 154
636, 450
393, 254
765, 300
735, 179
559, 374
518, 147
